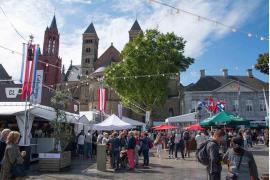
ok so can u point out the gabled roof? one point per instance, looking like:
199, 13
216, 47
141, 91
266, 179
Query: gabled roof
73, 73
90, 29
135, 26
210, 83
109, 56
4, 75
53, 24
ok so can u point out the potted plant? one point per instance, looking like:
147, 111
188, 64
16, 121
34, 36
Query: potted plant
58, 158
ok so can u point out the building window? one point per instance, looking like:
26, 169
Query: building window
235, 105
86, 72
49, 45
87, 60
171, 113
262, 105
194, 104
88, 41
88, 50
249, 105
53, 47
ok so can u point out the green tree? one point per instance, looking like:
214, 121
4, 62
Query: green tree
62, 130
263, 63
151, 53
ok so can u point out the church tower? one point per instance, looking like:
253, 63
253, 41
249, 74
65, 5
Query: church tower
50, 61
135, 30
89, 50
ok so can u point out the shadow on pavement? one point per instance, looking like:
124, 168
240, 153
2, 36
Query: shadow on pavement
160, 166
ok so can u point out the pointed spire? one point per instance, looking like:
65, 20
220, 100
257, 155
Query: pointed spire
135, 26
90, 29
53, 24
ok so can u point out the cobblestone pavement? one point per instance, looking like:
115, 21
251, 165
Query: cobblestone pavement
162, 169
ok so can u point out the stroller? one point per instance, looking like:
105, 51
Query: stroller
123, 159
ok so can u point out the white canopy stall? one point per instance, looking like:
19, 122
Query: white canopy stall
134, 122
112, 123
182, 120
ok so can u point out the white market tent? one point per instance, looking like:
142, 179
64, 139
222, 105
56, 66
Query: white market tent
112, 123
18, 109
185, 118
133, 122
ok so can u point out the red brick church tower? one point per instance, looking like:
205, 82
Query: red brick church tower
50, 61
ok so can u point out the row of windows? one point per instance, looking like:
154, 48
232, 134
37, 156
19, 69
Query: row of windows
235, 106
88, 41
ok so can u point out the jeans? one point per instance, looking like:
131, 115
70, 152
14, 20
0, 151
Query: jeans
171, 148
159, 148
81, 149
137, 148
214, 176
145, 157
115, 159
89, 150
177, 148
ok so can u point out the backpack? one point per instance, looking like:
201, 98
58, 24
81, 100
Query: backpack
202, 155
186, 135
150, 144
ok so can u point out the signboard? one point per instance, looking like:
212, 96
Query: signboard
49, 155
12, 92
147, 117
36, 96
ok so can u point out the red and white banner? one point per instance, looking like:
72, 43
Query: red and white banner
102, 99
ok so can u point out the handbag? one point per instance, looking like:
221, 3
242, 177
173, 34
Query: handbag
17, 170
233, 176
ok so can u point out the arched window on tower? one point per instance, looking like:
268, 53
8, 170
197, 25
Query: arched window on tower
86, 72
53, 46
49, 45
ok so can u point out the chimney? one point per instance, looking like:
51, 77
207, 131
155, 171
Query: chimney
111, 43
202, 73
249, 73
225, 72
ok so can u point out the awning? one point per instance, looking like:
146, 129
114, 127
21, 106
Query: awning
182, 118
112, 123
132, 122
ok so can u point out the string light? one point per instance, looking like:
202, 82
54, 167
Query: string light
205, 18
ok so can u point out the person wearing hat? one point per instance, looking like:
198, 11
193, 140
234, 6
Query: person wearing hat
241, 163
4, 135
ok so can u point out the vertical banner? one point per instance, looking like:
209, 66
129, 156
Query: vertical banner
23, 58
147, 117
35, 62
120, 111
36, 95
26, 85
102, 99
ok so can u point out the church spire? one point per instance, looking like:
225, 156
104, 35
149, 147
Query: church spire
135, 30
53, 24
90, 29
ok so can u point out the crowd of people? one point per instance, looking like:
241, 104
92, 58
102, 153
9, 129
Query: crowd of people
223, 146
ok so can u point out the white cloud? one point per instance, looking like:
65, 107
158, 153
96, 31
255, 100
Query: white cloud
31, 17
77, 1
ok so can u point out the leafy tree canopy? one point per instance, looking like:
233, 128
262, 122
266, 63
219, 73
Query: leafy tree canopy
150, 53
263, 63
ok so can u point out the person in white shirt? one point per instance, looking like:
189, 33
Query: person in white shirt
105, 138
200, 138
80, 142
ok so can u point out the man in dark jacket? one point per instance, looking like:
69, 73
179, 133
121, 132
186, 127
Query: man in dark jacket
214, 168
145, 148
115, 148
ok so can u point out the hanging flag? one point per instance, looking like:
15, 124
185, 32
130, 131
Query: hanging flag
120, 109
36, 95
23, 58
220, 106
238, 88
102, 99
212, 106
35, 62
27, 70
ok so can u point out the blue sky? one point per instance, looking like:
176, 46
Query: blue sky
213, 47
